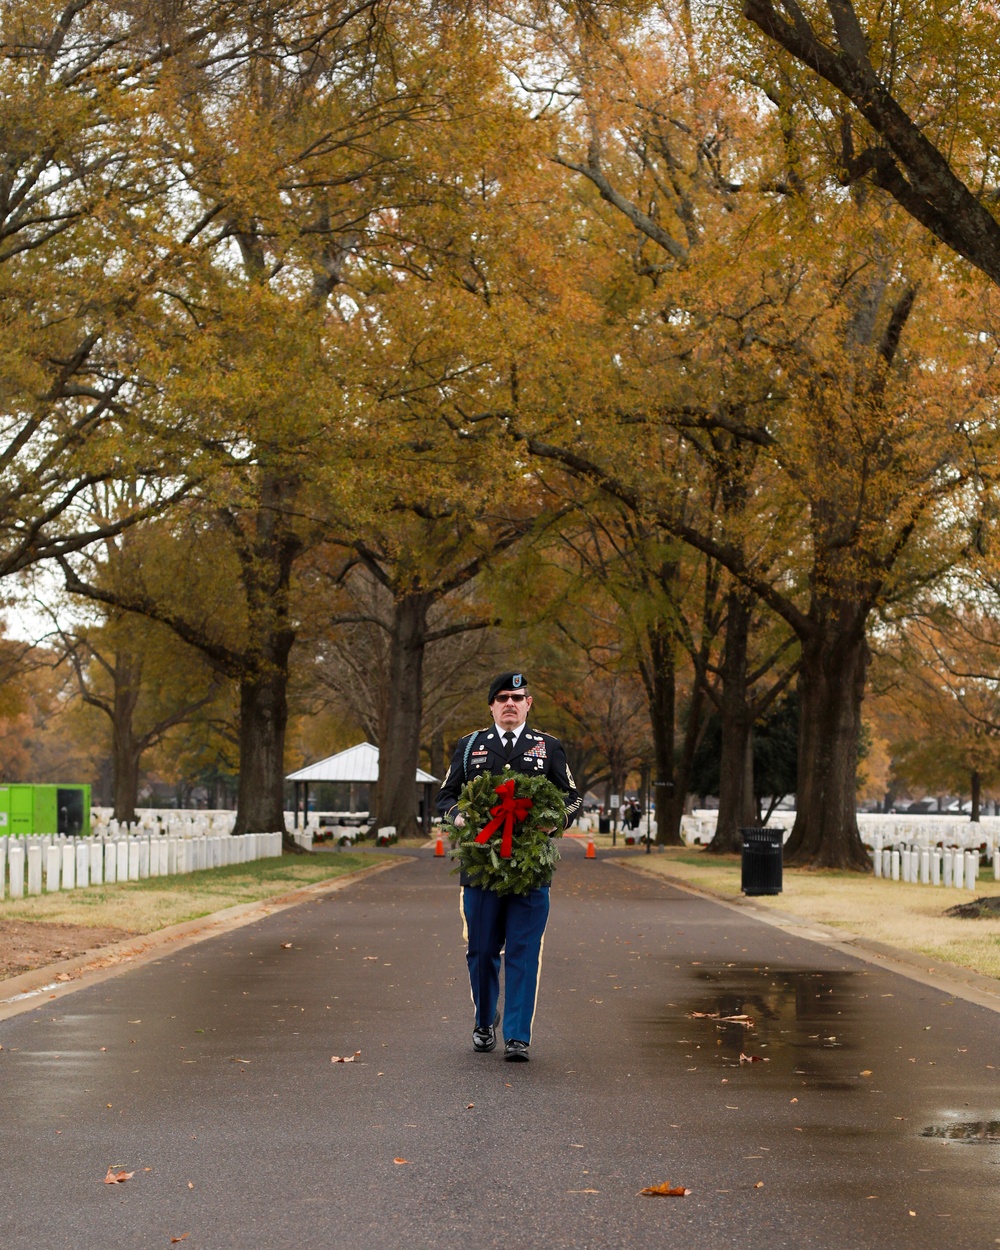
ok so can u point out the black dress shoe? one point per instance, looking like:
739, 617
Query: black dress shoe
484, 1039
515, 1051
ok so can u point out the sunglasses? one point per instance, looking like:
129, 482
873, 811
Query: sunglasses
510, 698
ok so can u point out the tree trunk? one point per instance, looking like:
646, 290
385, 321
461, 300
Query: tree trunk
736, 798
399, 741
126, 780
976, 795
267, 573
693, 731
438, 763
260, 802
660, 680
125, 752
834, 664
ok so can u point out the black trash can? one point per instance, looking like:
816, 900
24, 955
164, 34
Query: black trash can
762, 860
604, 824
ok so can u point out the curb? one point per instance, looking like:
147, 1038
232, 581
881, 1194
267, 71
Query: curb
948, 978
27, 990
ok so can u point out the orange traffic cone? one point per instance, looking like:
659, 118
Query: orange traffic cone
591, 853
439, 846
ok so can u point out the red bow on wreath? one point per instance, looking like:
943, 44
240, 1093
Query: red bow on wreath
505, 813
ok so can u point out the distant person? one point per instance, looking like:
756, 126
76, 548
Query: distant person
514, 923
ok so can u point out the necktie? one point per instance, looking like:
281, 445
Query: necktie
508, 743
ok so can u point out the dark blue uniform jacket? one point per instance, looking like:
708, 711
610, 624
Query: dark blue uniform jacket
535, 754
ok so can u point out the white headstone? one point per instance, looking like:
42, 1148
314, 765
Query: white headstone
133, 859
53, 858
96, 862
68, 866
121, 860
15, 858
35, 868
110, 862
143, 858
82, 864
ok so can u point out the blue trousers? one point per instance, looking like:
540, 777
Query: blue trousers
515, 924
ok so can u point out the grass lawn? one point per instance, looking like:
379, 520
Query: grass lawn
910, 917
144, 906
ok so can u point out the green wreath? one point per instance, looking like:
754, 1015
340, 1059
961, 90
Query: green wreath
537, 806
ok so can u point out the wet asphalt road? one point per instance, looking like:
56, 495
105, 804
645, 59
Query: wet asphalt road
208, 1075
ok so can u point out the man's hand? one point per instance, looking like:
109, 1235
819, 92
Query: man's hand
459, 821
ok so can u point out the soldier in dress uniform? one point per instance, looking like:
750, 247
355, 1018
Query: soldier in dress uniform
512, 923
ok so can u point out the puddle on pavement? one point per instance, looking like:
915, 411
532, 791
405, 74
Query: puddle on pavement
811, 1030
970, 1132
801, 1022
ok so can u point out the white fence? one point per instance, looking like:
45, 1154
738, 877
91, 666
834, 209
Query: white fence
51, 862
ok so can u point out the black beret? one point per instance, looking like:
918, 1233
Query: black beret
507, 681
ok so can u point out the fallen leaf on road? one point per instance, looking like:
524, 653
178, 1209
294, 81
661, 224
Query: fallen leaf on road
286, 946
666, 1190
190, 1184
182, 1237
752, 1058
469, 1106
233, 1059
745, 1020
62, 976
400, 1161
584, 1191
117, 1178
867, 1072
759, 1185
344, 1058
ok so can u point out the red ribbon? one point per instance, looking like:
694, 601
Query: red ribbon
505, 813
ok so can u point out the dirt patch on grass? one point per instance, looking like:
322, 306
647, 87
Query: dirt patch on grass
27, 946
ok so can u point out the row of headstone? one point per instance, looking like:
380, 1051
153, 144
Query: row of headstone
177, 822
879, 830
170, 821
949, 866
29, 865
928, 831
